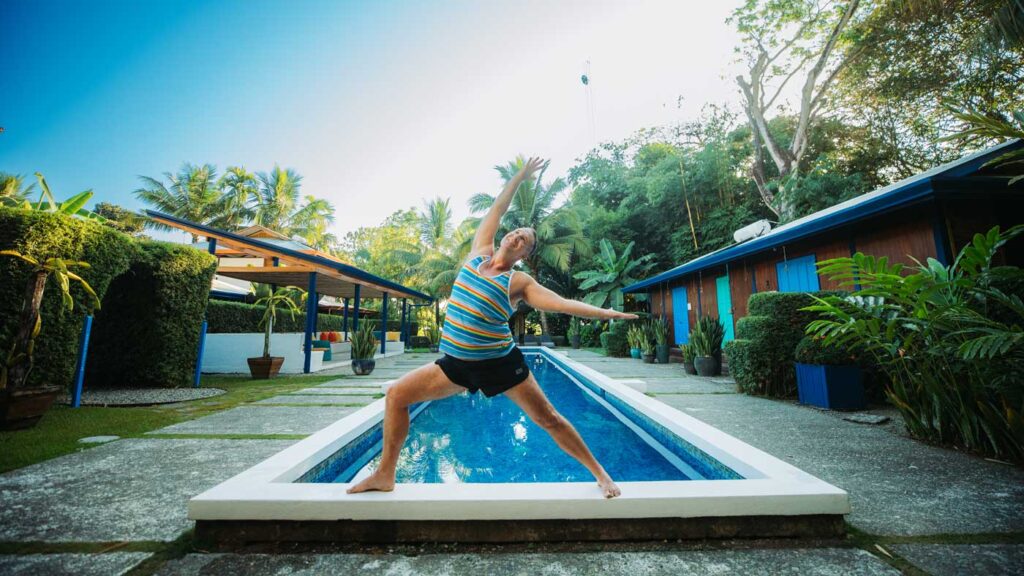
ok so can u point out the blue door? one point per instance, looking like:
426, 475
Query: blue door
798, 275
680, 315
725, 305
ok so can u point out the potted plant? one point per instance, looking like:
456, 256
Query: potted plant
574, 333
364, 344
703, 361
828, 376
267, 366
659, 326
647, 344
635, 339
21, 406
714, 334
688, 355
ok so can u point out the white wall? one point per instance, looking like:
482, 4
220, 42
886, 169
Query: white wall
228, 352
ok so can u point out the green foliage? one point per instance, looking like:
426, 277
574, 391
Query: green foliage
121, 219
706, 337
635, 336
812, 350
613, 274
282, 297
43, 235
659, 327
761, 358
147, 333
241, 318
614, 340
574, 328
689, 352
991, 125
950, 341
364, 342
590, 335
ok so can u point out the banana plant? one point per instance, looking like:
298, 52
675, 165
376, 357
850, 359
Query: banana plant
16, 368
73, 206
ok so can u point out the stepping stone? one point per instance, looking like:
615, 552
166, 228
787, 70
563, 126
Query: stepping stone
964, 559
866, 418
136, 489
259, 420
821, 561
97, 439
318, 399
340, 391
110, 564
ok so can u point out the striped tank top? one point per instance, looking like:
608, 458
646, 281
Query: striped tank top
476, 324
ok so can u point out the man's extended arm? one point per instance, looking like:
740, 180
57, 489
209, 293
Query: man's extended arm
544, 299
484, 239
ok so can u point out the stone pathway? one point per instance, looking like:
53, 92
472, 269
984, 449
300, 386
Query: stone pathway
935, 511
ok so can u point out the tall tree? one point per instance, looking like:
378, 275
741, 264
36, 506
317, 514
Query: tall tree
614, 272
239, 188
781, 38
191, 194
559, 232
14, 190
278, 206
435, 222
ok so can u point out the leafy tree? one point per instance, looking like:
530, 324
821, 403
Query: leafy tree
121, 219
278, 206
191, 194
239, 188
614, 273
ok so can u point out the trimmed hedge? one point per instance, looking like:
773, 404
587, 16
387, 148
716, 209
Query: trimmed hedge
614, 340
47, 235
225, 317
147, 334
761, 358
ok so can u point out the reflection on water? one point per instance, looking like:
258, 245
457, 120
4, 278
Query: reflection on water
472, 438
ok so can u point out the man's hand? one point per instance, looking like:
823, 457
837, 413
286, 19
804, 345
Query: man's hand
616, 315
532, 165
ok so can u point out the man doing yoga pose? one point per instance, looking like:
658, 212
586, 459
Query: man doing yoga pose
479, 351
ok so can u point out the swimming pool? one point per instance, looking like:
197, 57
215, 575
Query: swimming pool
476, 469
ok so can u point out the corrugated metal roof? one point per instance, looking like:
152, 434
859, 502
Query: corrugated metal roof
900, 193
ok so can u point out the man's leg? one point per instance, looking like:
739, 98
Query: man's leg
532, 400
424, 383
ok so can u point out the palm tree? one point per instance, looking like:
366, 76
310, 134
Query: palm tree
191, 194
238, 187
439, 266
14, 191
559, 231
278, 207
612, 275
435, 222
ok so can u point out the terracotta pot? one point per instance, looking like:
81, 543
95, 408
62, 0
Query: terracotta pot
265, 367
705, 365
364, 366
23, 408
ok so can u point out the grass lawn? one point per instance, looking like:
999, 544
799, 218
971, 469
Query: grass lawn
60, 429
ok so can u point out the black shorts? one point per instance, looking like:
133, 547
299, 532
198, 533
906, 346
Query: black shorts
492, 376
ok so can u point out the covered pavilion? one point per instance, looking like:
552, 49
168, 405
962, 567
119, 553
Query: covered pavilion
286, 262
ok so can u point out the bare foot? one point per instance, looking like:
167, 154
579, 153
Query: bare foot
610, 488
375, 482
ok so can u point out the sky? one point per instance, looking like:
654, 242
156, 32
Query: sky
378, 105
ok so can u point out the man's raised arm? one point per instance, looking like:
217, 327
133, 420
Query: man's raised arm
483, 242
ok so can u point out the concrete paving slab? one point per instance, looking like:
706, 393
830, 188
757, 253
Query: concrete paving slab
688, 386
319, 391
354, 384
314, 399
965, 559
128, 490
897, 486
814, 562
112, 564
256, 420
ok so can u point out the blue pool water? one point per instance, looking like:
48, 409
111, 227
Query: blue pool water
472, 438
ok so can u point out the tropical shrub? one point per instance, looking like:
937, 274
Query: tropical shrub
590, 335
147, 333
949, 339
240, 318
614, 340
659, 327
574, 329
364, 342
635, 336
762, 355
814, 350
42, 235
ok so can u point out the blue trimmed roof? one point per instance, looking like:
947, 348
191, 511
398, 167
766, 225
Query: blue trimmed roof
902, 193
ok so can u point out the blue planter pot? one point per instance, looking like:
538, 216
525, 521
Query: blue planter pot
635, 353
831, 387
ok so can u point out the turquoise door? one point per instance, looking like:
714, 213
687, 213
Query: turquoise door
680, 315
725, 305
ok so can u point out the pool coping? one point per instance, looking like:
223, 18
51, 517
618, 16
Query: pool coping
771, 488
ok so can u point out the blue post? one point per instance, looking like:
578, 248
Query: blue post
211, 247
275, 262
344, 324
83, 350
199, 357
355, 313
311, 302
384, 324
403, 337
